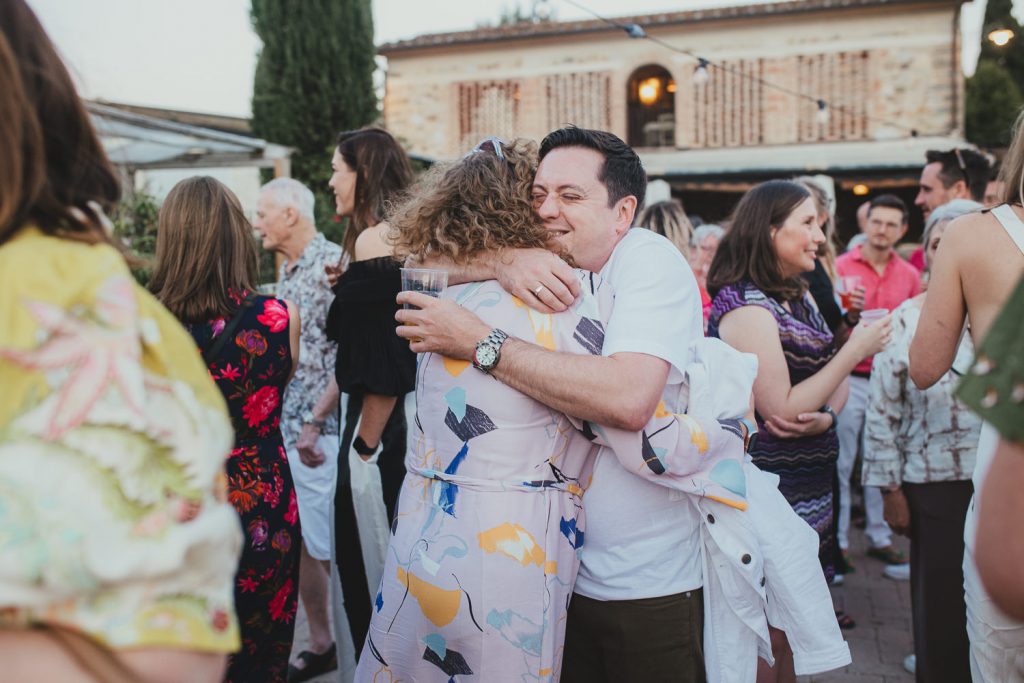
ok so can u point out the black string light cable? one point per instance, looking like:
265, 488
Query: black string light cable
701, 75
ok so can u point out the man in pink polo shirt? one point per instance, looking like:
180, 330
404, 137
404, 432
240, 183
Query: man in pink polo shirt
888, 281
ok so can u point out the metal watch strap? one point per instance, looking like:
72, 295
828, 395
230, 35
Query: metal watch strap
495, 338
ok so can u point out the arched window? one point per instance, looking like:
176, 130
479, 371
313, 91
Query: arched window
652, 107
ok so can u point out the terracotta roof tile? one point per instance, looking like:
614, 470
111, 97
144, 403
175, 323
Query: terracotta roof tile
545, 29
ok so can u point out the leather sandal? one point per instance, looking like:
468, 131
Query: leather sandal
313, 664
846, 622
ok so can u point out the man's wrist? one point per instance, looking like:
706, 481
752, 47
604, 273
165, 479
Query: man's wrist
890, 489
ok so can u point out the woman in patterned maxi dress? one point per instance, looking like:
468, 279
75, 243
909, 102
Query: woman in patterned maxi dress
251, 369
483, 554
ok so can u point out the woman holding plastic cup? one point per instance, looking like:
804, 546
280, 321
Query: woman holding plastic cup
374, 368
761, 306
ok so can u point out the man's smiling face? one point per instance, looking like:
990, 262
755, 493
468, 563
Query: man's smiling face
573, 204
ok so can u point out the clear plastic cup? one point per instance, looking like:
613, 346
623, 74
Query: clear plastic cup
425, 281
873, 315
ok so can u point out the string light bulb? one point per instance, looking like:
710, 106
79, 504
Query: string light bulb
700, 72
823, 113
541, 10
635, 31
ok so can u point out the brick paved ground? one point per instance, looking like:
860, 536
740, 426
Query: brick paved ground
881, 608
880, 641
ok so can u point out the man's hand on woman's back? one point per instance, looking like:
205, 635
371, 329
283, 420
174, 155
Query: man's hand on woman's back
537, 277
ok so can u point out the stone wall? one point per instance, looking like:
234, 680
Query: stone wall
899, 63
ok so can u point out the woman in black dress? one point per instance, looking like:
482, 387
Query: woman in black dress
374, 367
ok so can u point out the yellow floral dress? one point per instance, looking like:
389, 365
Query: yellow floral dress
113, 438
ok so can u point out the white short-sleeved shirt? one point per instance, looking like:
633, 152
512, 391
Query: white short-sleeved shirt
642, 541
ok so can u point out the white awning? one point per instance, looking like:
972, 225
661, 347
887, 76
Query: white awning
139, 142
822, 157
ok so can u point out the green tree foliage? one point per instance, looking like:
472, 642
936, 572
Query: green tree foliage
314, 78
135, 223
1010, 56
993, 100
995, 92
513, 15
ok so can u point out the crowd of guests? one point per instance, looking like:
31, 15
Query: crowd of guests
634, 440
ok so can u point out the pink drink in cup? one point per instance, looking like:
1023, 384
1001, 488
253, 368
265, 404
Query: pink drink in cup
846, 287
873, 315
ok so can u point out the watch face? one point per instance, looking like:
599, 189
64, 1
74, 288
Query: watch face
486, 355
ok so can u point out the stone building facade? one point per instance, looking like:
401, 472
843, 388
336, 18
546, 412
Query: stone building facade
889, 71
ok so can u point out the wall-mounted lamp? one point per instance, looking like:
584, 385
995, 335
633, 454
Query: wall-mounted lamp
860, 189
1000, 36
649, 91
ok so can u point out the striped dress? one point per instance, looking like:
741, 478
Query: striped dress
806, 466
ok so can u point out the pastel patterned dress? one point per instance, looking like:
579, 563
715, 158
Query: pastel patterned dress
806, 466
484, 545
486, 540
114, 519
252, 372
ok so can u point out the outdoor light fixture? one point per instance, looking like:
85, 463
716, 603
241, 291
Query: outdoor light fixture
1000, 36
860, 189
700, 73
541, 10
822, 113
649, 91
635, 31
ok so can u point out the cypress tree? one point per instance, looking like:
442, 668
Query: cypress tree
992, 103
314, 78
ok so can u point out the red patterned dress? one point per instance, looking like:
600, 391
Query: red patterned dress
252, 373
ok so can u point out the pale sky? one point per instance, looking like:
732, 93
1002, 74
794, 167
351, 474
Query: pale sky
200, 55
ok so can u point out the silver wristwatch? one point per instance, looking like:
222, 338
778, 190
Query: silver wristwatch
488, 351
309, 419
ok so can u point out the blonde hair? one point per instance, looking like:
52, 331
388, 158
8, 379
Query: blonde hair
1012, 170
667, 218
205, 251
477, 204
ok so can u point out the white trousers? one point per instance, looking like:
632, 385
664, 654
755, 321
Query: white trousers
997, 641
851, 438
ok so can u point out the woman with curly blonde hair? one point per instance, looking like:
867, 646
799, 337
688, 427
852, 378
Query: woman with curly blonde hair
458, 211
483, 551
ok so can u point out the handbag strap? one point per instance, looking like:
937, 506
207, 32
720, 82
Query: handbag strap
214, 349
